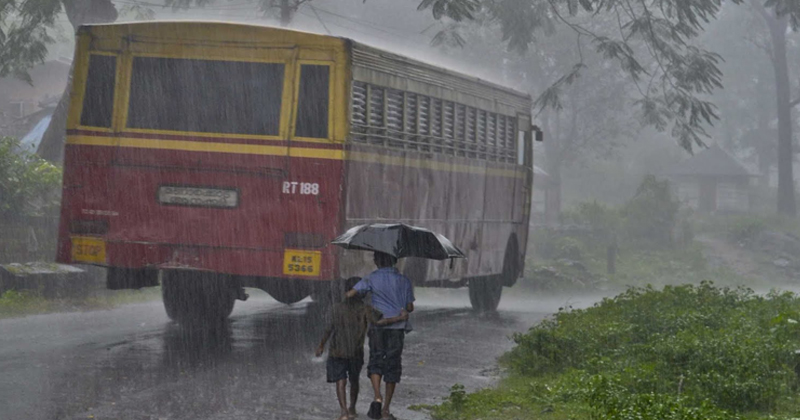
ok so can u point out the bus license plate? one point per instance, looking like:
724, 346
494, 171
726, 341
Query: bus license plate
301, 263
198, 197
85, 249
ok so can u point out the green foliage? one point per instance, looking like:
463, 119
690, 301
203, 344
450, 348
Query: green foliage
29, 185
684, 352
651, 215
15, 303
25, 31
601, 218
706, 345
610, 400
745, 229
458, 397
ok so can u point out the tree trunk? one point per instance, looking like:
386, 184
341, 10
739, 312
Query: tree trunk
286, 13
79, 12
778, 25
52, 145
551, 150
786, 193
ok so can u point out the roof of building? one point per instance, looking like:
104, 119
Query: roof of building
713, 161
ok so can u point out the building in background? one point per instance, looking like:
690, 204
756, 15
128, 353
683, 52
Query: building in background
24, 106
712, 181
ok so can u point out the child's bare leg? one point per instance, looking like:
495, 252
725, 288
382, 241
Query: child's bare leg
376, 385
341, 395
353, 396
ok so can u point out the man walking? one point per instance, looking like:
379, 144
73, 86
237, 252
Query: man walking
392, 295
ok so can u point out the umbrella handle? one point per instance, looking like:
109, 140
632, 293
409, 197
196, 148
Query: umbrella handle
452, 263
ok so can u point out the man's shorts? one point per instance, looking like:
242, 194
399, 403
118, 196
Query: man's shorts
338, 368
385, 353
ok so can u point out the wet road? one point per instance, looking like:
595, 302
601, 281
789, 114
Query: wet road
133, 363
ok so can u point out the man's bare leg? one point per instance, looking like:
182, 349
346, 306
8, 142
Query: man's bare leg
353, 397
341, 395
389, 392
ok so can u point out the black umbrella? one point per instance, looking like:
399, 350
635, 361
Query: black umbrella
399, 240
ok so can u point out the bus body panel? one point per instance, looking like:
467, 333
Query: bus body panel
288, 187
470, 203
477, 197
404, 165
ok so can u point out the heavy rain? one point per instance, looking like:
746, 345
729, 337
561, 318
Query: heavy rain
422, 209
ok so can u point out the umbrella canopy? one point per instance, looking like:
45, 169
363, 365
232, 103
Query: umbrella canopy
399, 240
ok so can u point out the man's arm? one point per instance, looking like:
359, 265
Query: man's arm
409, 296
325, 337
402, 317
362, 287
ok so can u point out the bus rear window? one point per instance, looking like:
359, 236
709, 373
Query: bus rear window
208, 96
312, 102
98, 99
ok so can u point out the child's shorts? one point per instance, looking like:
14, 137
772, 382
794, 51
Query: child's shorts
339, 368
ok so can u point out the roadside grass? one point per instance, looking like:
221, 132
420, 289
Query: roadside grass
23, 303
684, 352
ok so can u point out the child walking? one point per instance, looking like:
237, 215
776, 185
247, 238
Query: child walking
346, 332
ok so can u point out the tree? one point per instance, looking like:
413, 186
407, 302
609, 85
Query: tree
79, 12
747, 104
25, 32
654, 44
777, 19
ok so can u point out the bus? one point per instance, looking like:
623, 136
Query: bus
208, 157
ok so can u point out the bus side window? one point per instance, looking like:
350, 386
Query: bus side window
98, 99
312, 101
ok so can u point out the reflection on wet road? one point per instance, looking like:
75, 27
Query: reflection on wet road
132, 363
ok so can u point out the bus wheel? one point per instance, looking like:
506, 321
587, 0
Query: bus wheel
511, 263
197, 298
485, 293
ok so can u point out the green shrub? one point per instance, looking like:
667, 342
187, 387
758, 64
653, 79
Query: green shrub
727, 347
29, 185
610, 400
650, 216
745, 229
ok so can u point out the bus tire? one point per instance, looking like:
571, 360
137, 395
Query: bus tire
512, 265
485, 293
197, 298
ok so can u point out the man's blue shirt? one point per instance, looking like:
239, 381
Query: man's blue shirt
391, 293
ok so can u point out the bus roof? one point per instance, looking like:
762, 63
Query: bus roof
315, 38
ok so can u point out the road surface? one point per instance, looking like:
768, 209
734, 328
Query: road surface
133, 363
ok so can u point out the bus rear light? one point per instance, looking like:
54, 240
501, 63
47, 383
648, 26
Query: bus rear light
303, 240
88, 227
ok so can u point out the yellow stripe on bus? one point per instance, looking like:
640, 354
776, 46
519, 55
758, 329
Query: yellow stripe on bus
299, 152
433, 165
200, 146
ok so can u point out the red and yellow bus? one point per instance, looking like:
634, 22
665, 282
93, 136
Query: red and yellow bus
215, 156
